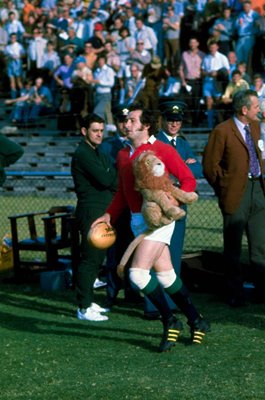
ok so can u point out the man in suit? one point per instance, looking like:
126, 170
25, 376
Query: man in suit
232, 165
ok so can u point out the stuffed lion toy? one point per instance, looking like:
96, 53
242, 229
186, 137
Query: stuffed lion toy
161, 199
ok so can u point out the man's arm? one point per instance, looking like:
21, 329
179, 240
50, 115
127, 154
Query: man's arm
212, 158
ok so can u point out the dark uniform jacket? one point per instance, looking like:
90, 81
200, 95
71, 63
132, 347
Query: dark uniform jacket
94, 177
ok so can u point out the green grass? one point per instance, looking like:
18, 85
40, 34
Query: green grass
46, 353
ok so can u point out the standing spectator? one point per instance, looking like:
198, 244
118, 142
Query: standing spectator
215, 66
63, 74
73, 39
62, 77
10, 152
95, 182
154, 19
130, 18
154, 75
125, 45
171, 27
36, 49
190, 75
146, 34
231, 55
246, 26
51, 36
82, 92
98, 40
90, 55
140, 56
259, 47
233, 166
81, 27
133, 82
224, 27
3, 44
49, 64
27, 9
104, 79
113, 58
14, 54
13, 25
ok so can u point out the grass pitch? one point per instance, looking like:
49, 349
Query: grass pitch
46, 353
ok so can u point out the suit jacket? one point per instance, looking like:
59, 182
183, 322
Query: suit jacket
185, 152
226, 163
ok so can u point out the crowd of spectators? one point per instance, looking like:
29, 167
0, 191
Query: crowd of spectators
75, 56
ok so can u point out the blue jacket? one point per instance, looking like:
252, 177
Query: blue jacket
185, 152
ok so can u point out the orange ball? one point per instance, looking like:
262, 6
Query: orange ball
101, 236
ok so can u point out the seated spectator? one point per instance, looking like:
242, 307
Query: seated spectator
14, 53
234, 86
40, 100
242, 67
259, 85
20, 111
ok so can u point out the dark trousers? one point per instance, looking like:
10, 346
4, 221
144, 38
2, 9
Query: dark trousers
249, 218
91, 258
194, 100
115, 253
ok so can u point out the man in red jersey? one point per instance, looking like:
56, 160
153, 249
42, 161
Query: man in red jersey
153, 251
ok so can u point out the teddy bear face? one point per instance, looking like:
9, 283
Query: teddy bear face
153, 164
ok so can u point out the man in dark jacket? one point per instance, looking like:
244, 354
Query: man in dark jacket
95, 182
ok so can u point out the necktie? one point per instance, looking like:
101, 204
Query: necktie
254, 167
173, 142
